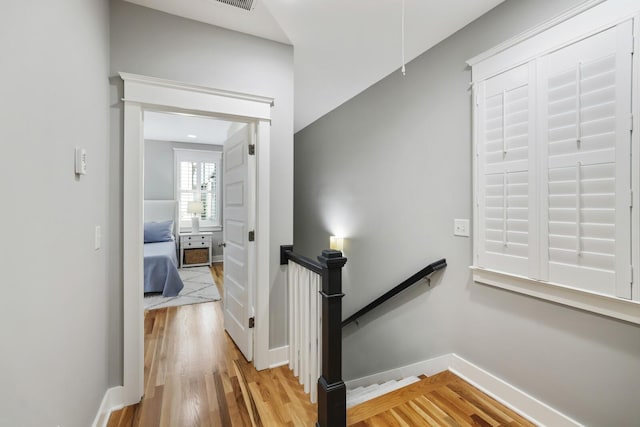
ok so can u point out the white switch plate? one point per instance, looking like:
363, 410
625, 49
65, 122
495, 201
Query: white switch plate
81, 161
461, 227
98, 238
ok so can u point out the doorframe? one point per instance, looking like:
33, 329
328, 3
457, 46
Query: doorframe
149, 93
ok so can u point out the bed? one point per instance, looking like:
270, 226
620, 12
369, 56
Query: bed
160, 249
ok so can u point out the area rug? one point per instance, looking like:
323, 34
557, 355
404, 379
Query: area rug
198, 287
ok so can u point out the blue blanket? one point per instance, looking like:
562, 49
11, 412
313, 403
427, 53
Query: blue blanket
161, 269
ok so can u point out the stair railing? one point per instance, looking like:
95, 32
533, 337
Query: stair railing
315, 330
425, 272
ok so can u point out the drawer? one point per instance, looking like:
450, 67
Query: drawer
196, 244
196, 238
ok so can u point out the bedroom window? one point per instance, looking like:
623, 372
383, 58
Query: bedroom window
553, 136
198, 179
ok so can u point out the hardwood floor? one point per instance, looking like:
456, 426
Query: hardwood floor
441, 400
195, 376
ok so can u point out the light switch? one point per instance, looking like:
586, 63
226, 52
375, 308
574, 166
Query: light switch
98, 238
461, 227
81, 161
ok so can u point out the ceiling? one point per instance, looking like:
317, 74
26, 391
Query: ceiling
341, 47
186, 128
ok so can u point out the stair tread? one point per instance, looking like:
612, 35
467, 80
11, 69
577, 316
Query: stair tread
368, 391
351, 394
353, 397
376, 390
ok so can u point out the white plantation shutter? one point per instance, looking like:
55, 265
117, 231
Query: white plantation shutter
197, 176
553, 180
585, 110
504, 153
198, 181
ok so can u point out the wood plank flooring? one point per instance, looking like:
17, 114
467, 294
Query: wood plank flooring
441, 400
195, 376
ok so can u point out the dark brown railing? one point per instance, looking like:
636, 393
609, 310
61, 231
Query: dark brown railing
425, 272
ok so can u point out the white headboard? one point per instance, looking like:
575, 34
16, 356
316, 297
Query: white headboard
161, 210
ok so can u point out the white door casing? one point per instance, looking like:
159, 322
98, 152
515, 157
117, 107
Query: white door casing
148, 93
239, 251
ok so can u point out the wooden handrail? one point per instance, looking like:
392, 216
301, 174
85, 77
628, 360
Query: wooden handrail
286, 254
429, 269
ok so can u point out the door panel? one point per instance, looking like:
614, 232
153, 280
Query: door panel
236, 205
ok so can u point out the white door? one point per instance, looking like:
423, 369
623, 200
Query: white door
239, 253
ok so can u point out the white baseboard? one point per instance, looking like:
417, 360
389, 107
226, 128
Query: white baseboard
217, 258
278, 356
427, 367
528, 406
111, 401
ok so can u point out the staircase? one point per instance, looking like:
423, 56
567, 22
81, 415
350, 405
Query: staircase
442, 399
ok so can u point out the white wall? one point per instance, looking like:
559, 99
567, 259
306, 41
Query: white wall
198, 53
54, 325
159, 174
390, 170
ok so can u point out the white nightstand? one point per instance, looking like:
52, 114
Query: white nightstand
197, 242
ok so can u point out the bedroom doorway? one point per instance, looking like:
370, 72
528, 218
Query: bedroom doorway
184, 172
145, 94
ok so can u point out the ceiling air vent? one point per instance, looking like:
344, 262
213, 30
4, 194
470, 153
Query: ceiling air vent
242, 4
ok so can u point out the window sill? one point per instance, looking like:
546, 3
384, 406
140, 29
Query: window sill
617, 308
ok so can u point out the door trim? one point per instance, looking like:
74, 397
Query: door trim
148, 93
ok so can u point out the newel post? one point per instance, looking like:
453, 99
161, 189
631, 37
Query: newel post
332, 392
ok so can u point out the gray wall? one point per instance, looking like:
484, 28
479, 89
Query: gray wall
159, 174
197, 53
54, 324
390, 170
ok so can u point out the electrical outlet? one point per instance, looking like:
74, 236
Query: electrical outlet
461, 227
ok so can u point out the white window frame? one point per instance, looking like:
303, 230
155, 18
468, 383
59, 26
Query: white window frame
586, 19
194, 155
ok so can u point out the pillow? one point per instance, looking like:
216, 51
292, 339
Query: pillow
158, 231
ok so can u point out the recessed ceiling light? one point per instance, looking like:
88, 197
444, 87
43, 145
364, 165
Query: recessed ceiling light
192, 136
